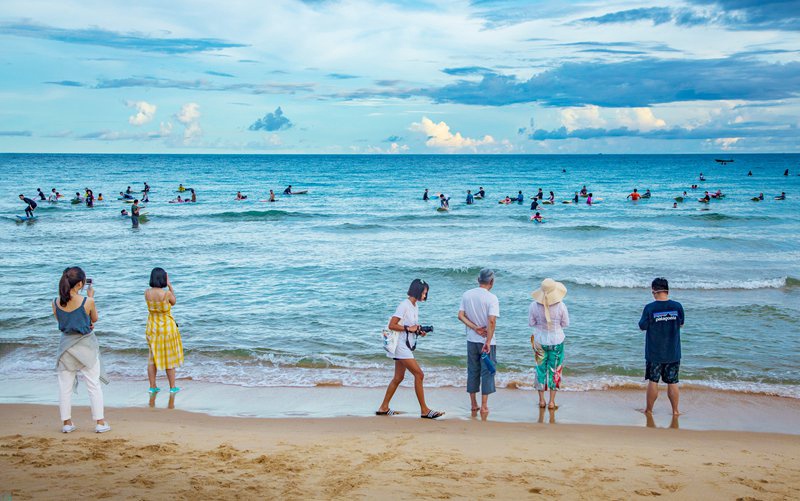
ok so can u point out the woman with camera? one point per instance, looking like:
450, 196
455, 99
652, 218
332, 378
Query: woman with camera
405, 321
163, 337
78, 350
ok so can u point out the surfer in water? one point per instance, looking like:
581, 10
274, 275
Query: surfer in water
537, 217
535, 203
31, 205
481, 193
575, 198
239, 196
635, 195
647, 193
41, 194
520, 197
552, 198
540, 195
288, 190
589, 199
194, 196
271, 196
782, 196
425, 196
584, 191
470, 198
444, 201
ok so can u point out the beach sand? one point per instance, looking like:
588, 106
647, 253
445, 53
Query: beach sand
158, 453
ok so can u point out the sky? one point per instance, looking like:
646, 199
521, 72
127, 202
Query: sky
402, 76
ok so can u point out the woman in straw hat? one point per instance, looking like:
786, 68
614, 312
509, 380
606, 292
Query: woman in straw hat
548, 316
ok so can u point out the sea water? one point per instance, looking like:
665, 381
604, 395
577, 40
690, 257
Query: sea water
296, 292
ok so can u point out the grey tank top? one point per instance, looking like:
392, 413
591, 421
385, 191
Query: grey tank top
76, 321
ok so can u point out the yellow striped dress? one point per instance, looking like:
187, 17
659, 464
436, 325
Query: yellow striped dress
166, 348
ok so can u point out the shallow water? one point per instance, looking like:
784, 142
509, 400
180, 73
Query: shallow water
296, 292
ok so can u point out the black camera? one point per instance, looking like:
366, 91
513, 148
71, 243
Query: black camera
426, 329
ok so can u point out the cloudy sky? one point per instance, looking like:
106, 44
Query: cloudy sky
402, 76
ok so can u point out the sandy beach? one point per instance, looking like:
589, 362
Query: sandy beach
159, 453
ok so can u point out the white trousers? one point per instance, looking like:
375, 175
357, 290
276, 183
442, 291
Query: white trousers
66, 382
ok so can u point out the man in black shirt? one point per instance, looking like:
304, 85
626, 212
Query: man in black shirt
662, 319
31, 205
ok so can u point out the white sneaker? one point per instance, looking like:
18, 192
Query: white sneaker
102, 428
68, 428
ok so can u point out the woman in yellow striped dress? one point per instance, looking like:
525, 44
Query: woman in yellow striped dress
163, 338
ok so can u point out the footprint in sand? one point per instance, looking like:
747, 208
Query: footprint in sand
647, 492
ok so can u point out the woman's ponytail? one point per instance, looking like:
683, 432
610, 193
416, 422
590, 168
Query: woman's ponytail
69, 279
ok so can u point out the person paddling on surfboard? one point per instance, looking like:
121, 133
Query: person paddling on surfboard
31, 205
288, 190
444, 201
481, 193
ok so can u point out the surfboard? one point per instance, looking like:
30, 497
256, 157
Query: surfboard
779, 198
547, 202
679, 199
755, 199
566, 201
26, 218
478, 197
301, 192
442, 209
702, 200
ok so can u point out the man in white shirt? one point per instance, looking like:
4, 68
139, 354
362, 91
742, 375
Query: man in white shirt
478, 312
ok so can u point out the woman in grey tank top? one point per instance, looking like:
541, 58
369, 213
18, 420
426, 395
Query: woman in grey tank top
78, 350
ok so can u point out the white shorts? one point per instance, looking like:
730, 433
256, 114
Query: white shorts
402, 352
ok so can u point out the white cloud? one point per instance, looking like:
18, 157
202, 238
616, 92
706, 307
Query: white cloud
726, 142
440, 137
189, 117
144, 112
585, 117
639, 118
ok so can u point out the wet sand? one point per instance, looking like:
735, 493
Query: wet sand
159, 453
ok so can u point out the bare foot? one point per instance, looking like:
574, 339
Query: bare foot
552, 405
542, 404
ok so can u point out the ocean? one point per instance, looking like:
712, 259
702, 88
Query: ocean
295, 293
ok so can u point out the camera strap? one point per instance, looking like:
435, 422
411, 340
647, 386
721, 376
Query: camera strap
412, 348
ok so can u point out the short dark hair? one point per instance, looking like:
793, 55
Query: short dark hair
417, 288
158, 278
660, 284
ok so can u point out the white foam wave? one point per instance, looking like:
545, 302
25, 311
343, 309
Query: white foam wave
680, 283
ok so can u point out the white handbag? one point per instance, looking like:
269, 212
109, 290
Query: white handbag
390, 339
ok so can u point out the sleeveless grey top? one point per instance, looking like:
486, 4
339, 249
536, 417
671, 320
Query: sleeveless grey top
76, 321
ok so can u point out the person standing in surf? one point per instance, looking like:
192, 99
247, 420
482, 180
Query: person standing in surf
478, 312
662, 320
135, 214
406, 322
163, 338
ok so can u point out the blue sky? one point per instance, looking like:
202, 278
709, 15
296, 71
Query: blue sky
328, 76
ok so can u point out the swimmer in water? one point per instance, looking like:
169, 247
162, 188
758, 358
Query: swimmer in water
271, 196
782, 196
540, 195
288, 190
702, 178
706, 198
537, 217
584, 191
507, 200
535, 203
749, 173
444, 202
481, 193
181, 188
647, 193
99, 197
470, 198
194, 196
520, 198
124, 213
589, 199
674, 205
552, 197
425, 195
575, 198
635, 195
239, 196
786, 172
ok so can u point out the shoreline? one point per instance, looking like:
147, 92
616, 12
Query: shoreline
704, 410
159, 453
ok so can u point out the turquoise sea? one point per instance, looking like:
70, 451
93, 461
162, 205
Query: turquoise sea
295, 293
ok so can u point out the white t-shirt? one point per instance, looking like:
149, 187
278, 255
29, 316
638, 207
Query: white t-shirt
409, 315
478, 304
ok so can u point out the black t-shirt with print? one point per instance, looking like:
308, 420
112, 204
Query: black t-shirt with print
662, 320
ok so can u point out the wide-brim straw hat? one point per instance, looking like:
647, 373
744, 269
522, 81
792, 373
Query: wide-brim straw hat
550, 292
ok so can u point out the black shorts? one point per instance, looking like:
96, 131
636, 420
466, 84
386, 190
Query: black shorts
667, 372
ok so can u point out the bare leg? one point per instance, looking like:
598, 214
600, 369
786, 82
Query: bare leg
413, 367
484, 406
552, 404
652, 395
674, 396
171, 377
473, 397
151, 374
542, 403
399, 375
